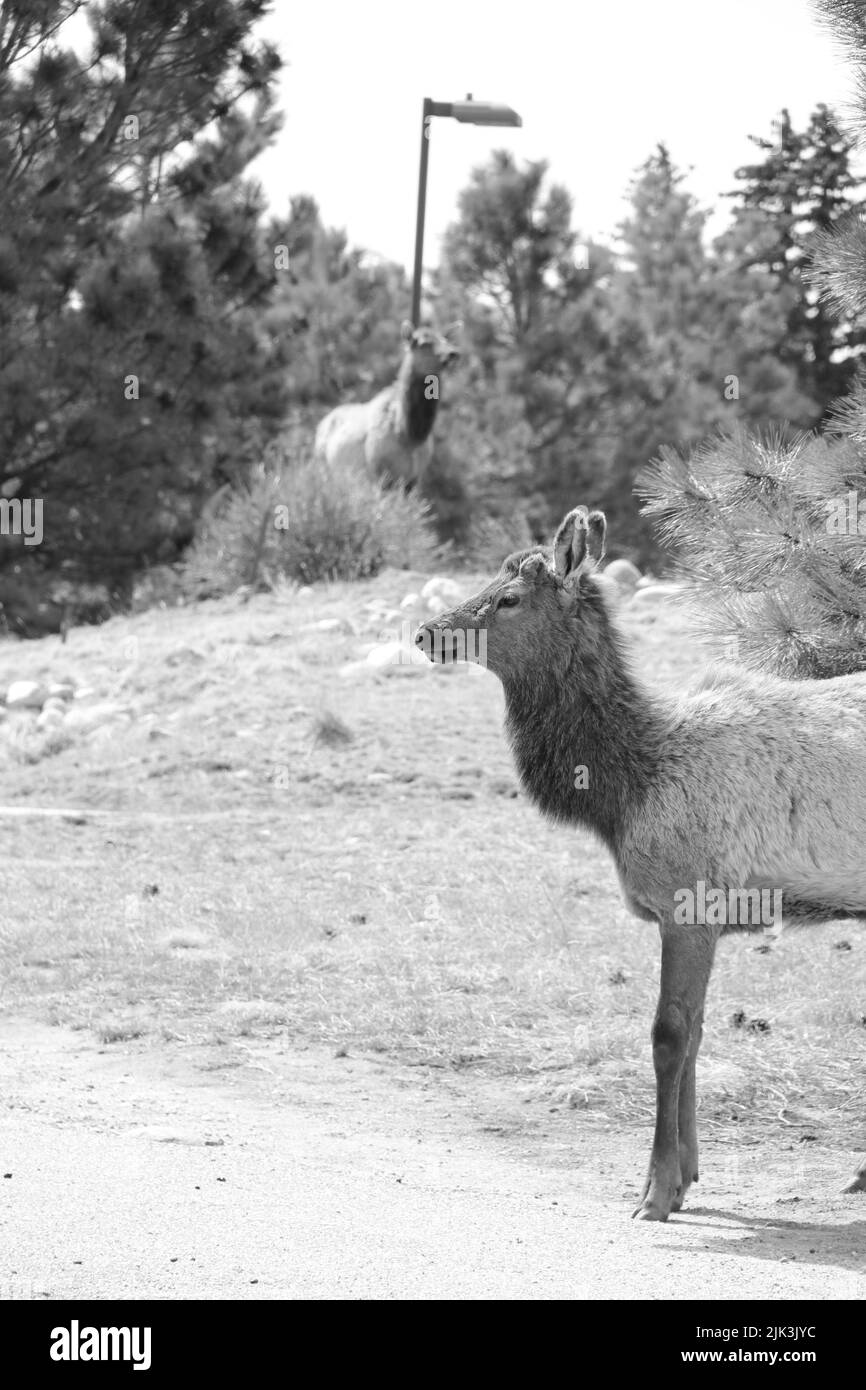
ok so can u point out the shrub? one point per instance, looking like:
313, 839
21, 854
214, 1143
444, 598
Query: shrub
300, 518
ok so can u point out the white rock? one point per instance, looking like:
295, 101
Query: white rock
50, 718
61, 690
305, 592
395, 654
656, 593
447, 592
351, 670
55, 703
624, 574
26, 695
410, 601
93, 716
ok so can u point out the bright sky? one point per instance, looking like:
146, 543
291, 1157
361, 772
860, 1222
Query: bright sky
597, 85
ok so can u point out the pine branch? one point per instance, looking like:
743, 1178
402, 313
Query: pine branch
770, 545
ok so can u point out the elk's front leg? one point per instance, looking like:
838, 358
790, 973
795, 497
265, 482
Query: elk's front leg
687, 959
687, 1118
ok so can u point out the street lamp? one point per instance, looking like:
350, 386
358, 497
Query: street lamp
469, 112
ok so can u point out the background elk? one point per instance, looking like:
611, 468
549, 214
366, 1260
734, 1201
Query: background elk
745, 783
393, 433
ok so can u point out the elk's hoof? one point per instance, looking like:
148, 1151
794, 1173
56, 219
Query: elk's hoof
649, 1211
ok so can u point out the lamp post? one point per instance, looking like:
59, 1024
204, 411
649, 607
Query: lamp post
469, 112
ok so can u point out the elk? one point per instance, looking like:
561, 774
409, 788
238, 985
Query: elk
392, 434
746, 783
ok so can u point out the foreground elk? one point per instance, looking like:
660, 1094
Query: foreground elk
748, 785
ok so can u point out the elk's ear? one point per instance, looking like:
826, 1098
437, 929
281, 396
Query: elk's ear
533, 568
569, 545
579, 543
406, 331
596, 527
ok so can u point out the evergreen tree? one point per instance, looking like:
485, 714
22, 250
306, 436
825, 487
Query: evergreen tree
800, 189
132, 260
748, 311
336, 315
550, 382
662, 300
772, 531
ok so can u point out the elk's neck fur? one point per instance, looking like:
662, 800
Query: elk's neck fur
586, 709
417, 414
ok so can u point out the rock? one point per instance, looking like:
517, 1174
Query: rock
304, 592
410, 601
328, 625
181, 655
395, 654
26, 695
95, 716
61, 690
50, 718
440, 593
351, 670
55, 703
624, 574
655, 593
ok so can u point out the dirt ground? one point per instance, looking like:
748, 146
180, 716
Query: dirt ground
251, 1170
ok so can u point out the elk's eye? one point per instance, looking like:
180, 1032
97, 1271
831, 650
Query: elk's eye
509, 601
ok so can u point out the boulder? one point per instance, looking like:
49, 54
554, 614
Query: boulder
26, 695
55, 703
440, 593
96, 716
50, 718
624, 574
395, 654
656, 593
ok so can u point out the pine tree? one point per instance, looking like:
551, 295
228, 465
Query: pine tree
132, 263
771, 531
800, 190
558, 375
661, 298
336, 315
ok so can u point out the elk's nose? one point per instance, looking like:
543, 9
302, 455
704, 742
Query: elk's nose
436, 640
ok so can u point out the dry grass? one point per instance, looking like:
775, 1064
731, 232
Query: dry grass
392, 894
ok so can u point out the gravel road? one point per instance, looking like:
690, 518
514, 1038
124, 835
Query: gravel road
249, 1171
